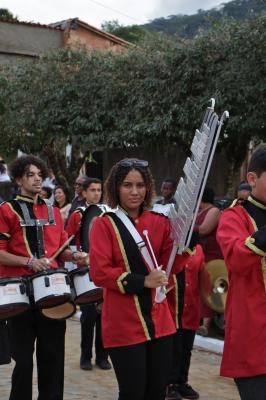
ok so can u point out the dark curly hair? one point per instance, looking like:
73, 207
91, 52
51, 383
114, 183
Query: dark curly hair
21, 165
117, 176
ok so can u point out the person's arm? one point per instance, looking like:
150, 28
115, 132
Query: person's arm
210, 222
257, 241
77, 257
73, 224
12, 260
9, 220
233, 237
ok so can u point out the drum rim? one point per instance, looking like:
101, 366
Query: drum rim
77, 298
91, 291
37, 303
48, 272
79, 271
14, 279
4, 316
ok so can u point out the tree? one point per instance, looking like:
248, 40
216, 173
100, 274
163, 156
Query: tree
131, 33
5, 14
153, 94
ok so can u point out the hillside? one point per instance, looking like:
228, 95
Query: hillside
189, 25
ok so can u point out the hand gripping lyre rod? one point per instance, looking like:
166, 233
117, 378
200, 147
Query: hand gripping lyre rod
161, 290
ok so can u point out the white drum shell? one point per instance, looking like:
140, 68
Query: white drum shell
85, 291
58, 286
11, 294
83, 284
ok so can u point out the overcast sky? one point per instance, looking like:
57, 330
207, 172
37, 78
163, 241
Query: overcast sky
94, 12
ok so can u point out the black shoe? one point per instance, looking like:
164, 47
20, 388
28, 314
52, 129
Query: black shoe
103, 364
172, 393
187, 392
85, 364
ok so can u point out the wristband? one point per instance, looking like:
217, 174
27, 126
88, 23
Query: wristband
29, 263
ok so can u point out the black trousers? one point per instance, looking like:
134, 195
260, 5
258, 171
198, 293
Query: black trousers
182, 349
89, 320
49, 335
5, 357
142, 370
252, 388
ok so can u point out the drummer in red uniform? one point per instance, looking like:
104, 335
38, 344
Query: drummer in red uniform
90, 316
31, 231
242, 238
137, 330
184, 303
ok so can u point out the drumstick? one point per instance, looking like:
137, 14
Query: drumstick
145, 233
169, 289
62, 248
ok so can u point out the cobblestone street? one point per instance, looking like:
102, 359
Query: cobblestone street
98, 384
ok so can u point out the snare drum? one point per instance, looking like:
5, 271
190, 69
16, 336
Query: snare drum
85, 290
61, 311
14, 298
51, 288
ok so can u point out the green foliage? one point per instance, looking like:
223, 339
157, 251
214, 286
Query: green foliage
132, 33
153, 94
188, 26
5, 14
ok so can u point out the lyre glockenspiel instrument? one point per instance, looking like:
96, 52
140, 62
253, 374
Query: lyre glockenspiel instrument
191, 187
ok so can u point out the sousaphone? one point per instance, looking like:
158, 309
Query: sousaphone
214, 285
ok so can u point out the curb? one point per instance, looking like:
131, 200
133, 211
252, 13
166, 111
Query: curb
209, 344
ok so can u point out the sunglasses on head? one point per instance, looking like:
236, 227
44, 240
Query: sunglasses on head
133, 163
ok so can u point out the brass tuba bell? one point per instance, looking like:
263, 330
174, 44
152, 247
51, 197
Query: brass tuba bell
214, 285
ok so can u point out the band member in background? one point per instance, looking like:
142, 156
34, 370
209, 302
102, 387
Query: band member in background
25, 250
79, 200
206, 226
61, 200
184, 302
242, 237
90, 315
168, 189
137, 331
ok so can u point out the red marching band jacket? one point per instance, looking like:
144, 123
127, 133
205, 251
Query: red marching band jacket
73, 226
20, 240
190, 317
245, 312
130, 314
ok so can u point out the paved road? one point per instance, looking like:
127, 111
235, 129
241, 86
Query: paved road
101, 385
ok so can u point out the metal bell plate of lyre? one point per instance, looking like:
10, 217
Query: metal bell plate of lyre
191, 187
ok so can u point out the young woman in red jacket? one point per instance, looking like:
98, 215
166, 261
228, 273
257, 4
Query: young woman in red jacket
137, 330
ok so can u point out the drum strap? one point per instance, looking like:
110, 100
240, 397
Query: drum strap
136, 236
28, 221
160, 294
38, 223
